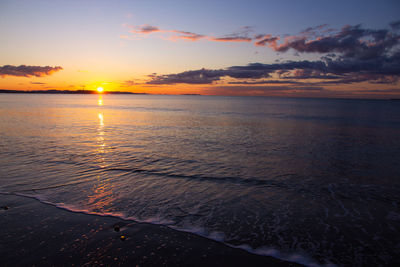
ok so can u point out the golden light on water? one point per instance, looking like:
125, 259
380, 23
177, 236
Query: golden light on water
100, 90
101, 195
101, 119
100, 101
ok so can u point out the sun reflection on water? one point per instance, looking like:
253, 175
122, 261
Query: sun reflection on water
101, 123
101, 196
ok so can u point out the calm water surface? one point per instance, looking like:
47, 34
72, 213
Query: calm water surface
315, 181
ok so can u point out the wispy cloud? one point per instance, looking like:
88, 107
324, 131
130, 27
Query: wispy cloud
38, 83
189, 36
241, 36
28, 71
231, 39
144, 29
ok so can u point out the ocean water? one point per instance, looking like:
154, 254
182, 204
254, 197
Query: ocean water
315, 181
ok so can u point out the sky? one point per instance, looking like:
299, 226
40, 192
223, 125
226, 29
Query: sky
346, 49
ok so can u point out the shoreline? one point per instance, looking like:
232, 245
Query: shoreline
36, 233
93, 92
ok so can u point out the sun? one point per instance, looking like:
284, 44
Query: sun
100, 89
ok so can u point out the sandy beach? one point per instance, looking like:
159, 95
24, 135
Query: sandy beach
37, 234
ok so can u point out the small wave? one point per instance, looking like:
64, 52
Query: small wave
200, 231
225, 179
297, 258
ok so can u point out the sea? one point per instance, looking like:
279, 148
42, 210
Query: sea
312, 181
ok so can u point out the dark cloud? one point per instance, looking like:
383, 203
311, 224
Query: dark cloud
379, 70
265, 39
350, 42
351, 55
202, 76
207, 76
284, 66
306, 74
266, 82
360, 77
28, 71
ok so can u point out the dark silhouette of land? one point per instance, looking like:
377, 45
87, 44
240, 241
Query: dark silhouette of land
4, 91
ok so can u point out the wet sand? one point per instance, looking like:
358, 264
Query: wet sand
37, 234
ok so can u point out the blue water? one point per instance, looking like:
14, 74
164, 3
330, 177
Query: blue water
315, 181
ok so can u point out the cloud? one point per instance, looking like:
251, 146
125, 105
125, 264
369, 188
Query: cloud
260, 90
306, 74
202, 76
312, 31
240, 36
263, 40
358, 78
37, 83
333, 71
190, 36
351, 55
350, 42
207, 76
144, 29
269, 82
27, 71
167, 34
390, 90
231, 39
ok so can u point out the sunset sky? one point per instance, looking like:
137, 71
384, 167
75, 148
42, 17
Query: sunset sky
270, 48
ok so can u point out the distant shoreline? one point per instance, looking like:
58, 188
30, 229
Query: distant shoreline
85, 92
94, 92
